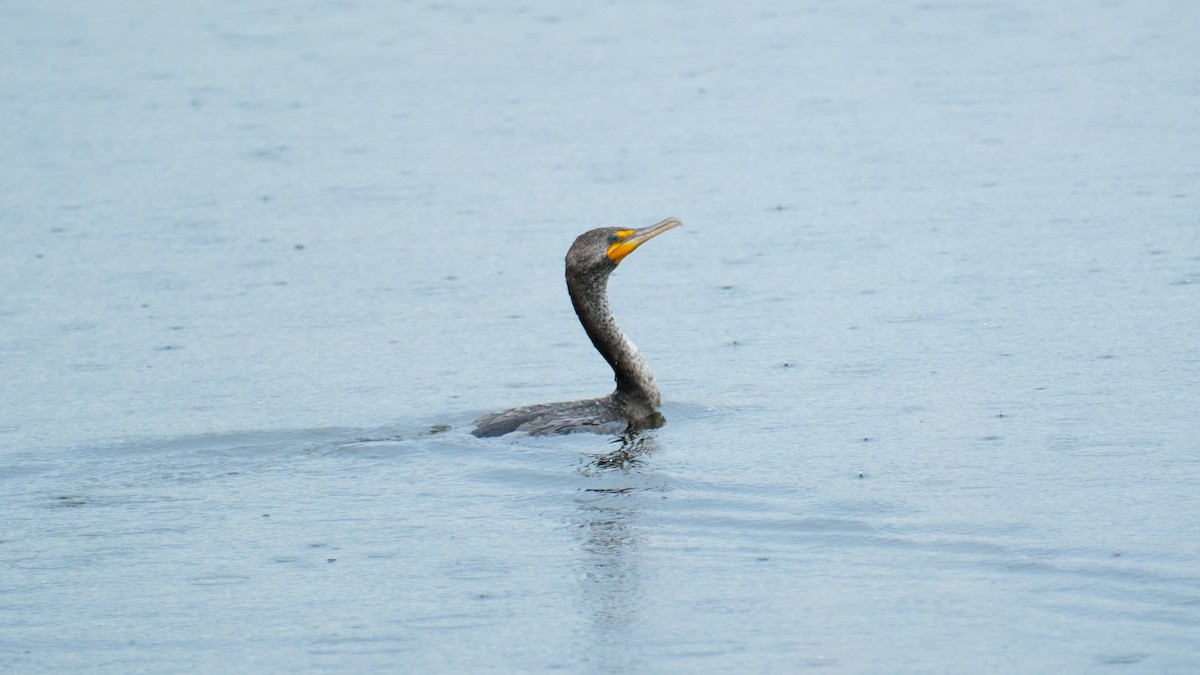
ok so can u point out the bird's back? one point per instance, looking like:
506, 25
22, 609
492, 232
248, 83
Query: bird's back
597, 415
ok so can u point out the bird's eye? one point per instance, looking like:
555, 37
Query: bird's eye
612, 239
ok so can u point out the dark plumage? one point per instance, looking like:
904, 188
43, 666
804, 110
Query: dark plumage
591, 259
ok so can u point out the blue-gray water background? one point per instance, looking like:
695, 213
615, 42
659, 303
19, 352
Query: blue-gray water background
928, 340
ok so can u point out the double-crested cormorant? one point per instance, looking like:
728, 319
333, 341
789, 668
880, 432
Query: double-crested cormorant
593, 256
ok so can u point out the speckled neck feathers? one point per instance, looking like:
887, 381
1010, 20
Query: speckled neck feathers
637, 392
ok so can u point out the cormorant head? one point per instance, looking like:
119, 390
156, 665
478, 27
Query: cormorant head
602, 249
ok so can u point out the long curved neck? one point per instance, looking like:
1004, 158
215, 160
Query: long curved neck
636, 387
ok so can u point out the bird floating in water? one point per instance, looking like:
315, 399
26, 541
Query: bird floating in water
593, 256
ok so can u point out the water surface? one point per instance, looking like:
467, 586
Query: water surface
926, 341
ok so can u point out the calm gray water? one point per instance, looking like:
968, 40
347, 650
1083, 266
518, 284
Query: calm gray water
927, 341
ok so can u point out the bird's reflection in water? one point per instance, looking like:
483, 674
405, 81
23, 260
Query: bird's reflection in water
633, 447
611, 550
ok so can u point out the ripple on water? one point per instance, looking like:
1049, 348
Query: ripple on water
349, 645
685, 649
218, 580
1122, 659
438, 622
477, 568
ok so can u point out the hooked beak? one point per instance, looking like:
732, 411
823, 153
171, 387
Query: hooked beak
631, 239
